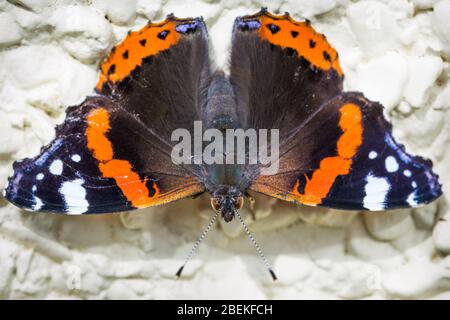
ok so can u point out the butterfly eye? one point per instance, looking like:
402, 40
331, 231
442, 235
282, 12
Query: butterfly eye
215, 204
239, 203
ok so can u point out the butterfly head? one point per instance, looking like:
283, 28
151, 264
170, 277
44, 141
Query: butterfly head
227, 200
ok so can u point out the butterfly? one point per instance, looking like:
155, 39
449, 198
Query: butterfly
113, 151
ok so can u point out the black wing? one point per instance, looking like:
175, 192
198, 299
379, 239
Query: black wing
336, 149
112, 153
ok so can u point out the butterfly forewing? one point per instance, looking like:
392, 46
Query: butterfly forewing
336, 149
112, 153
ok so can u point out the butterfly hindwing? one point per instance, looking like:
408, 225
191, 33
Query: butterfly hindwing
355, 163
160, 74
282, 70
112, 152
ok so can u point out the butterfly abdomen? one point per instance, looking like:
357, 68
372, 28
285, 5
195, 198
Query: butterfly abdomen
220, 112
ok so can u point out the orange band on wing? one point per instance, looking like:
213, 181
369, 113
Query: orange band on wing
129, 54
322, 179
288, 33
98, 126
134, 189
129, 182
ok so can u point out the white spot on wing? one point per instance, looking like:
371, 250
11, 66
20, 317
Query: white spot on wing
376, 190
56, 167
33, 188
411, 201
40, 176
407, 173
4, 188
373, 154
391, 164
37, 204
76, 158
74, 195
414, 184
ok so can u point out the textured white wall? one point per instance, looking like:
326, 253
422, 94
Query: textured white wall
394, 51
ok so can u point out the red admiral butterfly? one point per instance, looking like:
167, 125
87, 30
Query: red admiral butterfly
112, 153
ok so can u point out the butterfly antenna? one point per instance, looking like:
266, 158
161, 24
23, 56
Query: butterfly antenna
258, 248
197, 243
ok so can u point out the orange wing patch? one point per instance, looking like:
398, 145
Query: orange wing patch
300, 36
130, 53
137, 191
317, 188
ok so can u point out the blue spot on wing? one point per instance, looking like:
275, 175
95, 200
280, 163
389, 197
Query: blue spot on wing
50, 151
248, 25
190, 27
